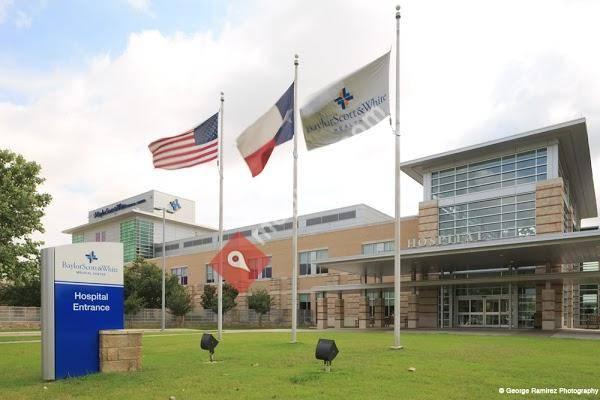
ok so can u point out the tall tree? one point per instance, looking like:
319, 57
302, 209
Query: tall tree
143, 280
209, 299
21, 210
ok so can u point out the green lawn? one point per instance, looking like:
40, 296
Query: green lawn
266, 366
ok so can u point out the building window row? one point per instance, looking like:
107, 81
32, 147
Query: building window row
497, 218
370, 249
253, 263
510, 170
331, 218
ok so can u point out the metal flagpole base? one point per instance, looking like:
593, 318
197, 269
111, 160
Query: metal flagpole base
396, 347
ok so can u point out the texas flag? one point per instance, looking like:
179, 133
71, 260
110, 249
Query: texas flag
275, 127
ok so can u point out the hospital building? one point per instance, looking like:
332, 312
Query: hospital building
498, 242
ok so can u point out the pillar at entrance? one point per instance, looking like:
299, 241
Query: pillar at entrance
412, 310
363, 312
548, 307
331, 299
339, 313
321, 313
378, 313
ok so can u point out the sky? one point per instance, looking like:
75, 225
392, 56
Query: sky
86, 86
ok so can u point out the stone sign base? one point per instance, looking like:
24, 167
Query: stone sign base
120, 350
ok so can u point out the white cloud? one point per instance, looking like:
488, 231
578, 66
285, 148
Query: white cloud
23, 20
140, 5
470, 72
4, 6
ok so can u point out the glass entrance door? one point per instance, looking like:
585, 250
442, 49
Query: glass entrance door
483, 311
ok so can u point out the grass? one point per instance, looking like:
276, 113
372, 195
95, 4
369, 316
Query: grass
266, 366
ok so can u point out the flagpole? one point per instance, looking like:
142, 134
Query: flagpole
295, 210
397, 233
220, 274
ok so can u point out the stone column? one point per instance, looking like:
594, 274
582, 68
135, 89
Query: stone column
378, 315
412, 310
339, 313
331, 300
120, 350
363, 312
548, 316
321, 313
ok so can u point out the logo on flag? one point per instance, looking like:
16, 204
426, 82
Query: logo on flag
242, 262
344, 98
326, 122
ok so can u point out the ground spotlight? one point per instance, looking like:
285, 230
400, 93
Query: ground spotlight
208, 342
326, 351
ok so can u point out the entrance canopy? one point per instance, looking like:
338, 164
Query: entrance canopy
552, 249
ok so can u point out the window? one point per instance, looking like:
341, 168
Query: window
181, 273
331, 218
101, 236
198, 242
526, 306
210, 274
588, 302
77, 238
308, 262
137, 237
304, 302
489, 219
267, 271
378, 248
510, 170
388, 303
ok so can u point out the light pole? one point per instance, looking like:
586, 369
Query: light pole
164, 256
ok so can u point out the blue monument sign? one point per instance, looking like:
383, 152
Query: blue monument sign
82, 293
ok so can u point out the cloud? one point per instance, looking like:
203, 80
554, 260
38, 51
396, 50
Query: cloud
4, 6
464, 80
140, 5
23, 20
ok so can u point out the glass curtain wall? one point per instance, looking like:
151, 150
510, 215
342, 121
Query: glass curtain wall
510, 170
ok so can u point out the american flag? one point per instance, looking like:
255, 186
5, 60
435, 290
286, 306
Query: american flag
196, 146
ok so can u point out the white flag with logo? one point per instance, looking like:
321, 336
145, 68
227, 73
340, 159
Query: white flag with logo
349, 106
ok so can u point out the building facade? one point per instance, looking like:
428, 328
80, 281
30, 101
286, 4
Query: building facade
498, 242
137, 223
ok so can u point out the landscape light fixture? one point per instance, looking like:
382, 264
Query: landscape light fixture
326, 351
208, 342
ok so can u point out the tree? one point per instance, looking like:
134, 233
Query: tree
209, 299
22, 294
180, 303
260, 301
133, 304
21, 211
144, 280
